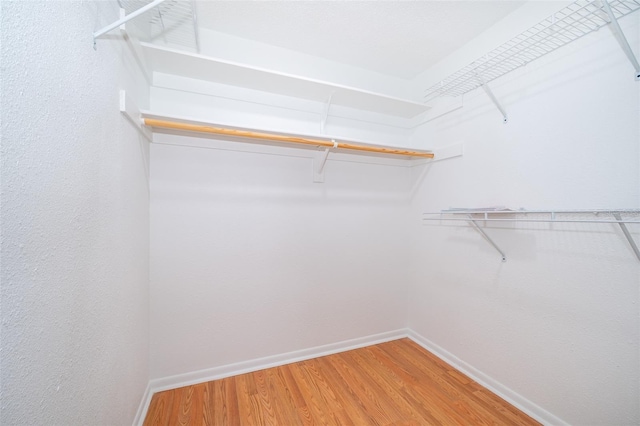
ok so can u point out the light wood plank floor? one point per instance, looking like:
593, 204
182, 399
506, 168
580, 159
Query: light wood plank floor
395, 383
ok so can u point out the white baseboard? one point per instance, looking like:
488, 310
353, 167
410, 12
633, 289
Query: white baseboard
201, 376
143, 407
515, 399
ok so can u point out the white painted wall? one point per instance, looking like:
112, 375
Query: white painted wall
250, 258
558, 323
262, 55
74, 220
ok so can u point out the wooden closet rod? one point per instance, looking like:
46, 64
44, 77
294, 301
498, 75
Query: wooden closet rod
279, 138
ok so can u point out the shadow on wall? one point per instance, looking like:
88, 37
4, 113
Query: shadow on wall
246, 194
203, 175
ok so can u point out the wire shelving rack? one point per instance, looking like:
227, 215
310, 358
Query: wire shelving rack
175, 22
622, 217
569, 24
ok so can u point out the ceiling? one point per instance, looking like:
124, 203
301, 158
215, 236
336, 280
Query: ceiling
395, 38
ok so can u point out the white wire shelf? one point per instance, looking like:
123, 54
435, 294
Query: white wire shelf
569, 24
506, 215
173, 22
622, 217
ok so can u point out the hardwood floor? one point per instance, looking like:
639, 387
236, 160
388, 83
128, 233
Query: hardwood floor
395, 383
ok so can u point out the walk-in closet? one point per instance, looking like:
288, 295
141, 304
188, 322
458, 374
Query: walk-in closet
320, 212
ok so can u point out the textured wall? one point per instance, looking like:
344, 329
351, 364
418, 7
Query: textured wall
74, 221
557, 323
249, 258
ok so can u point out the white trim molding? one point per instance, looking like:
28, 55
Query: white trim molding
215, 373
513, 398
141, 414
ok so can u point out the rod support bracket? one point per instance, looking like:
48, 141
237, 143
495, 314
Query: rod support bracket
319, 162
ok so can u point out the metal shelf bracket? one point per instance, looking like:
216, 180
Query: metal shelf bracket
493, 98
627, 235
325, 113
194, 17
125, 19
486, 237
624, 44
472, 216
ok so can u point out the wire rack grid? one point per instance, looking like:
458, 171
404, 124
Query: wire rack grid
172, 22
570, 23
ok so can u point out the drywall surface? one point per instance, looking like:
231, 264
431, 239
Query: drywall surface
74, 220
393, 38
260, 54
558, 322
250, 258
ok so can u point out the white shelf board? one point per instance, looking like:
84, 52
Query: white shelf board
193, 65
